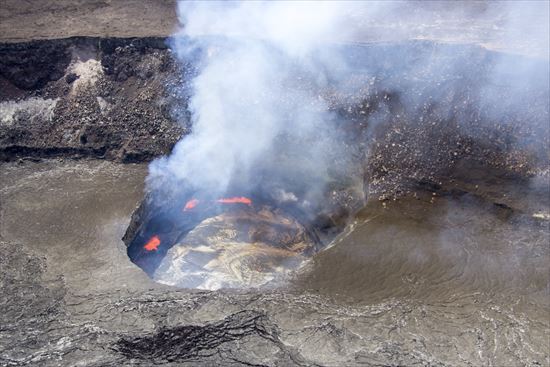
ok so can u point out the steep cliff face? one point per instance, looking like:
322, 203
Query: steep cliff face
108, 98
407, 109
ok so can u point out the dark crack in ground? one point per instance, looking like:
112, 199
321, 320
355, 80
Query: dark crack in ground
195, 342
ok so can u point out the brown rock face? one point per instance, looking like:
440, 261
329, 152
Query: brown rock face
106, 98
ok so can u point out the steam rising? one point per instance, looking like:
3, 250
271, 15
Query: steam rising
258, 115
256, 91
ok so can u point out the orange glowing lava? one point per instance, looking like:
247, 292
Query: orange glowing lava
190, 204
234, 200
153, 244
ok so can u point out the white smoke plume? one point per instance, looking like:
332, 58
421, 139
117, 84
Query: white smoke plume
257, 85
260, 66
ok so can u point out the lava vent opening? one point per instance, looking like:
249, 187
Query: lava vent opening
224, 242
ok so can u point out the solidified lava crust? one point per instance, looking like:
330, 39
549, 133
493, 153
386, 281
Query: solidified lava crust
190, 342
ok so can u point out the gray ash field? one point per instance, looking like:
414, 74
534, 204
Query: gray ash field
427, 244
430, 281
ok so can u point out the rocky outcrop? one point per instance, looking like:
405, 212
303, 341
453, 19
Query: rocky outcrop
419, 110
106, 98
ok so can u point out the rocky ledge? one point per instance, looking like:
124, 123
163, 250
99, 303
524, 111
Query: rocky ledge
108, 98
125, 99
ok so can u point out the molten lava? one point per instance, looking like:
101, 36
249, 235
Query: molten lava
153, 244
235, 200
190, 204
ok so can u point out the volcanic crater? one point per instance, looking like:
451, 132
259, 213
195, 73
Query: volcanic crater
425, 244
